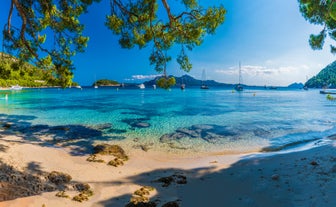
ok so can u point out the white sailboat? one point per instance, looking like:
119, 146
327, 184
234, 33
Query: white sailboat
305, 87
182, 84
239, 86
16, 88
142, 86
204, 86
95, 83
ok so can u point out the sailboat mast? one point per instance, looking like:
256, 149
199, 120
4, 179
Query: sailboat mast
203, 76
240, 76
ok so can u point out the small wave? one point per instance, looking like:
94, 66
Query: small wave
276, 148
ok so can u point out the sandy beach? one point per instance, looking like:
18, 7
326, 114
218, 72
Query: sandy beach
301, 178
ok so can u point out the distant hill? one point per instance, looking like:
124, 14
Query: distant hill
325, 78
296, 85
189, 81
106, 82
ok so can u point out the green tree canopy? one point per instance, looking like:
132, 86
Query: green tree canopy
105, 82
50, 32
320, 12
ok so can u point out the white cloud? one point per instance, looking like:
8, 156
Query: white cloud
264, 74
225, 72
251, 70
142, 77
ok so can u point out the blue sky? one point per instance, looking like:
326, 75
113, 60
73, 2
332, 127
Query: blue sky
270, 38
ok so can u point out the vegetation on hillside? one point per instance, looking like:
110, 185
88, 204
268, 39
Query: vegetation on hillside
13, 72
105, 82
325, 78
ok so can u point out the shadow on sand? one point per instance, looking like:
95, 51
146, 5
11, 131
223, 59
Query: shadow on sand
304, 178
79, 137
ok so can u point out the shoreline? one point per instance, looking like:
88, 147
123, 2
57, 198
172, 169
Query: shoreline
236, 180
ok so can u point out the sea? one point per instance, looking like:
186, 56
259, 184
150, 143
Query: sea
218, 120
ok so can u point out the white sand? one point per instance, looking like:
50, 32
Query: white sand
291, 179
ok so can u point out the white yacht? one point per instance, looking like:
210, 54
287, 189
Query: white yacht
16, 88
142, 86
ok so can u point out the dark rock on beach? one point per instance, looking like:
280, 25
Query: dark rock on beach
59, 178
171, 204
141, 204
176, 178
107, 149
15, 183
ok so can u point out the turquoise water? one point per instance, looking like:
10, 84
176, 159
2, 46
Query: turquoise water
215, 120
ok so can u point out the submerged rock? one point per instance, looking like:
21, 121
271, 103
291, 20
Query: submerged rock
314, 163
7, 125
142, 125
103, 126
209, 133
137, 123
275, 177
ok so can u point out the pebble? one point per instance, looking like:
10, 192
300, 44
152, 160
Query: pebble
275, 177
314, 163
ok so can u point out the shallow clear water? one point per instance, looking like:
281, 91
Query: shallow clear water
199, 120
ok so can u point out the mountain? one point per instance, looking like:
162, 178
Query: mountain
190, 81
325, 78
296, 85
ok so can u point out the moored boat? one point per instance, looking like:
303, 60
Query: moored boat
239, 86
16, 88
328, 92
142, 86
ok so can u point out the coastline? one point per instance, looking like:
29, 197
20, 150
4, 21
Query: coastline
300, 178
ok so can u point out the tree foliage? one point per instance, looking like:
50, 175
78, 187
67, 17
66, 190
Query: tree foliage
320, 12
13, 71
138, 22
105, 82
166, 82
50, 31
325, 78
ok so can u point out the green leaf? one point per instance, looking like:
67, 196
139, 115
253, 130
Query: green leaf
332, 10
165, 82
316, 41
